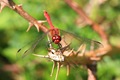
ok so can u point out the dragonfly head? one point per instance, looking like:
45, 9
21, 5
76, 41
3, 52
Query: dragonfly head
55, 55
56, 39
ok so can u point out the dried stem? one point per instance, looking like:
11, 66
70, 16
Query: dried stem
92, 69
18, 8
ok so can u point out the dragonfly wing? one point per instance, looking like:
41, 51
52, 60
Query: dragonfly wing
78, 43
30, 48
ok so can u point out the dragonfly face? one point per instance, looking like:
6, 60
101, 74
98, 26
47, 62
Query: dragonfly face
56, 39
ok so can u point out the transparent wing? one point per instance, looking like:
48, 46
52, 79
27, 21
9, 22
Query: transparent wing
78, 43
39, 45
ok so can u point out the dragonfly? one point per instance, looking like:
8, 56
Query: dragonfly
63, 48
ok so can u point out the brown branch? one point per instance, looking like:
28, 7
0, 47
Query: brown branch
92, 69
89, 21
18, 8
12, 68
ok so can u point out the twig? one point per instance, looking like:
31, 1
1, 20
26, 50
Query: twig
95, 26
92, 69
18, 8
12, 68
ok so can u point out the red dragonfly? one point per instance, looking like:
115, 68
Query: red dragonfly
64, 47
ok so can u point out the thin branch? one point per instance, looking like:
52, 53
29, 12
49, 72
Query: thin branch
92, 69
89, 21
12, 68
18, 8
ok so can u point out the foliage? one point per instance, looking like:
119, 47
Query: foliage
13, 37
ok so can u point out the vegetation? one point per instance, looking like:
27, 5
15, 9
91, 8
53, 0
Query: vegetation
13, 36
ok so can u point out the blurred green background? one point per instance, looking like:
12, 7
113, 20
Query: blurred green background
13, 36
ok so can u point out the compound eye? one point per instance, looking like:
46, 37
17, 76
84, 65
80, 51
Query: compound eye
56, 39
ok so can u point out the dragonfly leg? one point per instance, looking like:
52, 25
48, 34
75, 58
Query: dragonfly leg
60, 46
50, 45
65, 48
54, 64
